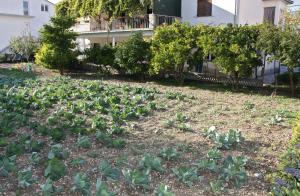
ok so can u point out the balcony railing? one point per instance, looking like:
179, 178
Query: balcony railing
125, 23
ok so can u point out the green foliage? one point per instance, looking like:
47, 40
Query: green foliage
109, 141
249, 105
7, 165
14, 149
79, 161
133, 55
36, 158
57, 134
162, 190
180, 117
55, 169
169, 154
81, 184
48, 188
233, 170
102, 190
186, 175
149, 163
57, 44
173, 46
136, 178
109, 172
101, 55
25, 45
25, 178
286, 179
84, 142
211, 161
224, 141
234, 49
57, 151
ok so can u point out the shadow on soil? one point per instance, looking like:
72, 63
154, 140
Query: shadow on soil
194, 85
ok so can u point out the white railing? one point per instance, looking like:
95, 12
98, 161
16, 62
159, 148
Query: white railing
126, 23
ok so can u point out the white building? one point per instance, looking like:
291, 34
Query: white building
16, 16
209, 12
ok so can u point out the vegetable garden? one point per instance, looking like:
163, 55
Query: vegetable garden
90, 137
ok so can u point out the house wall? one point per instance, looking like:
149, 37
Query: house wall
252, 12
223, 12
14, 23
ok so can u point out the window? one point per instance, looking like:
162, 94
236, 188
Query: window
204, 8
269, 14
25, 8
44, 8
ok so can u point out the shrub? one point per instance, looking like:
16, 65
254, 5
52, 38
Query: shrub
57, 44
101, 55
25, 45
234, 48
287, 180
133, 55
284, 79
2, 58
55, 169
172, 47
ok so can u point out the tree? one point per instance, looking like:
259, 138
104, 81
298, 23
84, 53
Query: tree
25, 45
57, 44
283, 43
173, 47
234, 49
133, 56
102, 9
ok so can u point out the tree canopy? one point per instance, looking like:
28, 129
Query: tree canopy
106, 8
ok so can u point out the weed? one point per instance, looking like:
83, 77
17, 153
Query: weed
55, 169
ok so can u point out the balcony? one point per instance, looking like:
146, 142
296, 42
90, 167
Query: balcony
147, 22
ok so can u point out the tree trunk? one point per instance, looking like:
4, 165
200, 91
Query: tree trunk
292, 84
263, 69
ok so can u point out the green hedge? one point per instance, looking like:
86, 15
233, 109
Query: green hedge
287, 179
284, 79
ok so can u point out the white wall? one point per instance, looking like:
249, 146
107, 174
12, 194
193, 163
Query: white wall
14, 23
223, 12
252, 12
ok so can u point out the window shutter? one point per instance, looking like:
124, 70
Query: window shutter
269, 14
204, 8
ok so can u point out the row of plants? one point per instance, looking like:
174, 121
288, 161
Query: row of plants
286, 181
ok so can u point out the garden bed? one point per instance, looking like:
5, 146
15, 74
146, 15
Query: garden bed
134, 137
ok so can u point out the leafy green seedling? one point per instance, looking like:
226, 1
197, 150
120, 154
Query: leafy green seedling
136, 178
84, 142
55, 169
25, 178
169, 154
149, 163
81, 184
186, 175
109, 171
162, 190
57, 151
102, 190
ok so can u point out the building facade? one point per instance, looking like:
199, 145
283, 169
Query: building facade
208, 12
18, 16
